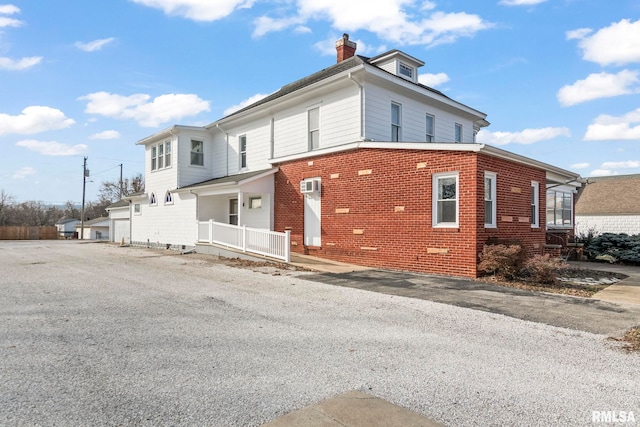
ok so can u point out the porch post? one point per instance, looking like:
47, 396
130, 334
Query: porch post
211, 232
287, 246
240, 207
244, 238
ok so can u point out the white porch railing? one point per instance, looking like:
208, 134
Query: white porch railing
252, 240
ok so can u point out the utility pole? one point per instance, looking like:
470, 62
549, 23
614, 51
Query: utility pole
85, 174
121, 189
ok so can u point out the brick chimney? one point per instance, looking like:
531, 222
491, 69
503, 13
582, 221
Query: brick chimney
346, 48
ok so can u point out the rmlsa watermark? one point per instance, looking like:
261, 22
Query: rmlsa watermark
611, 417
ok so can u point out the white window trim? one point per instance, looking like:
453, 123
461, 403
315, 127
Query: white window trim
434, 200
252, 199
494, 213
310, 130
139, 211
401, 66
154, 158
431, 136
535, 188
153, 200
240, 152
191, 141
162, 146
455, 127
168, 196
562, 226
399, 124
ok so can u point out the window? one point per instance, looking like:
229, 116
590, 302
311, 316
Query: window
395, 122
154, 157
167, 154
197, 153
153, 200
255, 202
242, 149
160, 156
490, 200
458, 132
168, 198
405, 70
535, 204
136, 209
430, 135
233, 211
445, 200
314, 128
559, 209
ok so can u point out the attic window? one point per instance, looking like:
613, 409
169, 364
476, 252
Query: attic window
405, 70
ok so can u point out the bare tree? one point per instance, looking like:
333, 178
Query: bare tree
110, 190
6, 200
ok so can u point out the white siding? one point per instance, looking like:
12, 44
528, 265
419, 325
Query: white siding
258, 133
166, 177
191, 174
599, 224
378, 118
166, 224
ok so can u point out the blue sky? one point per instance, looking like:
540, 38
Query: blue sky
559, 79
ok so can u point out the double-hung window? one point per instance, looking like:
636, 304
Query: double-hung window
167, 154
242, 149
161, 155
535, 204
445, 200
154, 157
396, 117
233, 211
197, 152
559, 209
458, 132
430, 136
490, 200
314, 128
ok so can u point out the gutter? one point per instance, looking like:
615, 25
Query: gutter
362, 110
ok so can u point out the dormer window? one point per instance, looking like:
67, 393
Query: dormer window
405, 71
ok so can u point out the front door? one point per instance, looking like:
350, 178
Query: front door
312, 219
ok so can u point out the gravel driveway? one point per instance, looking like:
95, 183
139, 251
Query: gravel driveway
93, 334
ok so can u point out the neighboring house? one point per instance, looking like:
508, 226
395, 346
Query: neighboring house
609, 204
95, 229
360, 163
119, 221
67, 227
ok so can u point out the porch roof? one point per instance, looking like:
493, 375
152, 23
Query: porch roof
237, 179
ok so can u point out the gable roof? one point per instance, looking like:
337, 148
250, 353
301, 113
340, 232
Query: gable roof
119, 204
93, 222
611, 195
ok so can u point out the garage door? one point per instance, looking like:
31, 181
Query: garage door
121, 230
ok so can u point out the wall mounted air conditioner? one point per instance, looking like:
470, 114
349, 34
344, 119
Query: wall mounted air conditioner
309, 186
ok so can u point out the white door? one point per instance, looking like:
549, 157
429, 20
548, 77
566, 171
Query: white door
121, 230
312, 219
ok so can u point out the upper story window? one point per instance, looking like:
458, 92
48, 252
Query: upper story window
314, 128
161, 155
242, 149
445, 200
405, 70
430, 135
197, 152
396, 112
490, 200
535, 204
559, 209
458, 133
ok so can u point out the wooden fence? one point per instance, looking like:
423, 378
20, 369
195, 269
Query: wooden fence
28, 233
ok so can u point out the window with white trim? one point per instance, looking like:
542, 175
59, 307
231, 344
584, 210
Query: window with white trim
445, 200
430, 135
167, 154
197, 152
405, 70
154, 157
314, 128
396, 118
168, 198
136, 209
458, 132
161, 155
255, 202
153, 201
490, 211
233, 211
559, 209
242, 149
535, 204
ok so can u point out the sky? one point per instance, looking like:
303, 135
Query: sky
559, 80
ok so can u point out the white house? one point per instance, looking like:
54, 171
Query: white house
95, 229
67, 227
119, 221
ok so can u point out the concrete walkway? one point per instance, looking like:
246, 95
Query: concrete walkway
626, 291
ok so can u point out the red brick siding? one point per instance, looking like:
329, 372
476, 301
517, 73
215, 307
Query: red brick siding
391, 207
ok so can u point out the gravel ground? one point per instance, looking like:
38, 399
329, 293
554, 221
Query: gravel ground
93, 334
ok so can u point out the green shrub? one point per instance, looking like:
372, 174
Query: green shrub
623, 247
543, 268
504, 261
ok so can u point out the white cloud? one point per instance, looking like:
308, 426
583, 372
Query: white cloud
139, 107
617, 44
21, 64
580, 165
526, 136
602, 172
255, 98
605, 127
94, 45
198, 10
24, 172
52, 148
33, 120
627, 164
599, 85
578, 34
520, 2
391, 20
433, 80
107, 134
8, 9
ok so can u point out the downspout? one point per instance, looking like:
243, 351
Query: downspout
362, 114
226, 139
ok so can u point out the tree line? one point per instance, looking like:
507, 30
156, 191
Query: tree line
36, 213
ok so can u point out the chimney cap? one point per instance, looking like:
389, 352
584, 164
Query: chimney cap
345, 48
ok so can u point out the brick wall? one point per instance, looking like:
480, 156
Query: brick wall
376, 208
